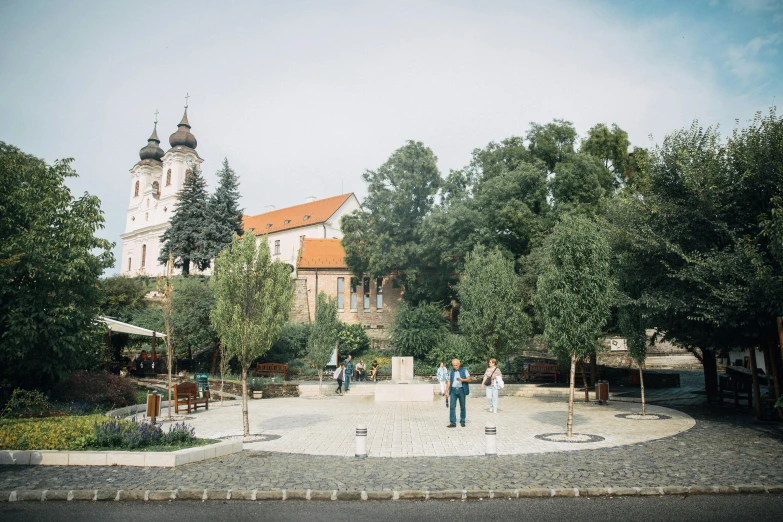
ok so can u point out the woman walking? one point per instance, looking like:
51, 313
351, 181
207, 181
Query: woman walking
339, 375
491, 376
443, 376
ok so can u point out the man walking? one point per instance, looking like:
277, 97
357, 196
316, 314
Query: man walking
348, 372
457, 388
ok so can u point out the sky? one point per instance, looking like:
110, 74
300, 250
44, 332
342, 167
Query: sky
303, 97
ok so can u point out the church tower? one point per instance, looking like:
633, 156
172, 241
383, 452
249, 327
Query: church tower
155, 181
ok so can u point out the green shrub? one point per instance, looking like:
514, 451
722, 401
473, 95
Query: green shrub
417, 330
455, 346
53, 433
26, 404
96, 389
353, 340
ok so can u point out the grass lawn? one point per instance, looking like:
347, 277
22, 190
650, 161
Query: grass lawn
69, 433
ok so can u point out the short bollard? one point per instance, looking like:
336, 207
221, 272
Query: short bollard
361, 441
490, 431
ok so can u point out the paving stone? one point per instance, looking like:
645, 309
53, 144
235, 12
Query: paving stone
56, 494
474, 494
269, 495
446, 494
217, 494
82, 494
412, 494
775, 489
161, 494
675, 490
647, 492
296, 494
379, 495
133, 494
29, 495
565, 492
321, 495
535, 492
242, 494
594, 492
504, 493
726, 490
750, 488
624, 492
190, 494
349, 495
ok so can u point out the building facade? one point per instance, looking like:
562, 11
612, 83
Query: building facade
154, 183
368, 301
287, 227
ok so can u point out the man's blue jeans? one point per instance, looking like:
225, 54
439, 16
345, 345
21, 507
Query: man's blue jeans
347, 380
456, 394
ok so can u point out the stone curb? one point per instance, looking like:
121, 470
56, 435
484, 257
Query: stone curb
94, 495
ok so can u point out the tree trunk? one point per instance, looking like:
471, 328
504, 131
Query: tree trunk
245, 421
215, 359
641, 382
710, 373
594, 370
780, 335
584, 382
570, 425
756, 388
772, 366
186, 267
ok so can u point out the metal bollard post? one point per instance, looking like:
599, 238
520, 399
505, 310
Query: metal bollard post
361, 441
490, 431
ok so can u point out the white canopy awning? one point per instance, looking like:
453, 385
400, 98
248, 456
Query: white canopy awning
117, 326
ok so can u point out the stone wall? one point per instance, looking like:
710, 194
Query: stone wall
273, 391
301, 311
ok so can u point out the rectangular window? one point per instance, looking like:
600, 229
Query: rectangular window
129, 264
379, 294
277, 247
143, 255
340, 293
366, 288
354, 284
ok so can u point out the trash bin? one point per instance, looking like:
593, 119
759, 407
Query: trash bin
602, 391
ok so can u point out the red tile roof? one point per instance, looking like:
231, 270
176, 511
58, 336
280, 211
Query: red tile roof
294, 217
321, 253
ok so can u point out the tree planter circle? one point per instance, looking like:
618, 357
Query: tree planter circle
639, 416
576, 438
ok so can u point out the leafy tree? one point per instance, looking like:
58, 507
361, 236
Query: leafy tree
185, 239
292, 343
50, 265
190, 316
551, 142
456, 346
385, 236
323, 335
121, 298
253, 298
353, 339
575, 292
417, 329
492, 314
225, 214
633, 329
608, 145
580, 183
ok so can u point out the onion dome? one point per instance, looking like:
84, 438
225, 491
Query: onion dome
183, 135
152, 150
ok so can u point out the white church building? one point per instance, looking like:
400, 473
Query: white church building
157, 178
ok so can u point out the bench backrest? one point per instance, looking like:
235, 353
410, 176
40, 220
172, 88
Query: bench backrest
185, 388
544, 367
271, 366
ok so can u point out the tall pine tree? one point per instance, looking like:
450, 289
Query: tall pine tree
186, 238
225, 216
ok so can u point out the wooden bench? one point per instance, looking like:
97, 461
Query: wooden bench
186, 394
544, 370
270, 369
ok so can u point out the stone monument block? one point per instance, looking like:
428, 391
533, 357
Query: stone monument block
402, 369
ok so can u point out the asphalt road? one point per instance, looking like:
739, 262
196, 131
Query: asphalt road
714, 508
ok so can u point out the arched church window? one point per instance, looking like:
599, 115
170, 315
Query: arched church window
168, 178
143, 255
156, 189
188, 173
136, 191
